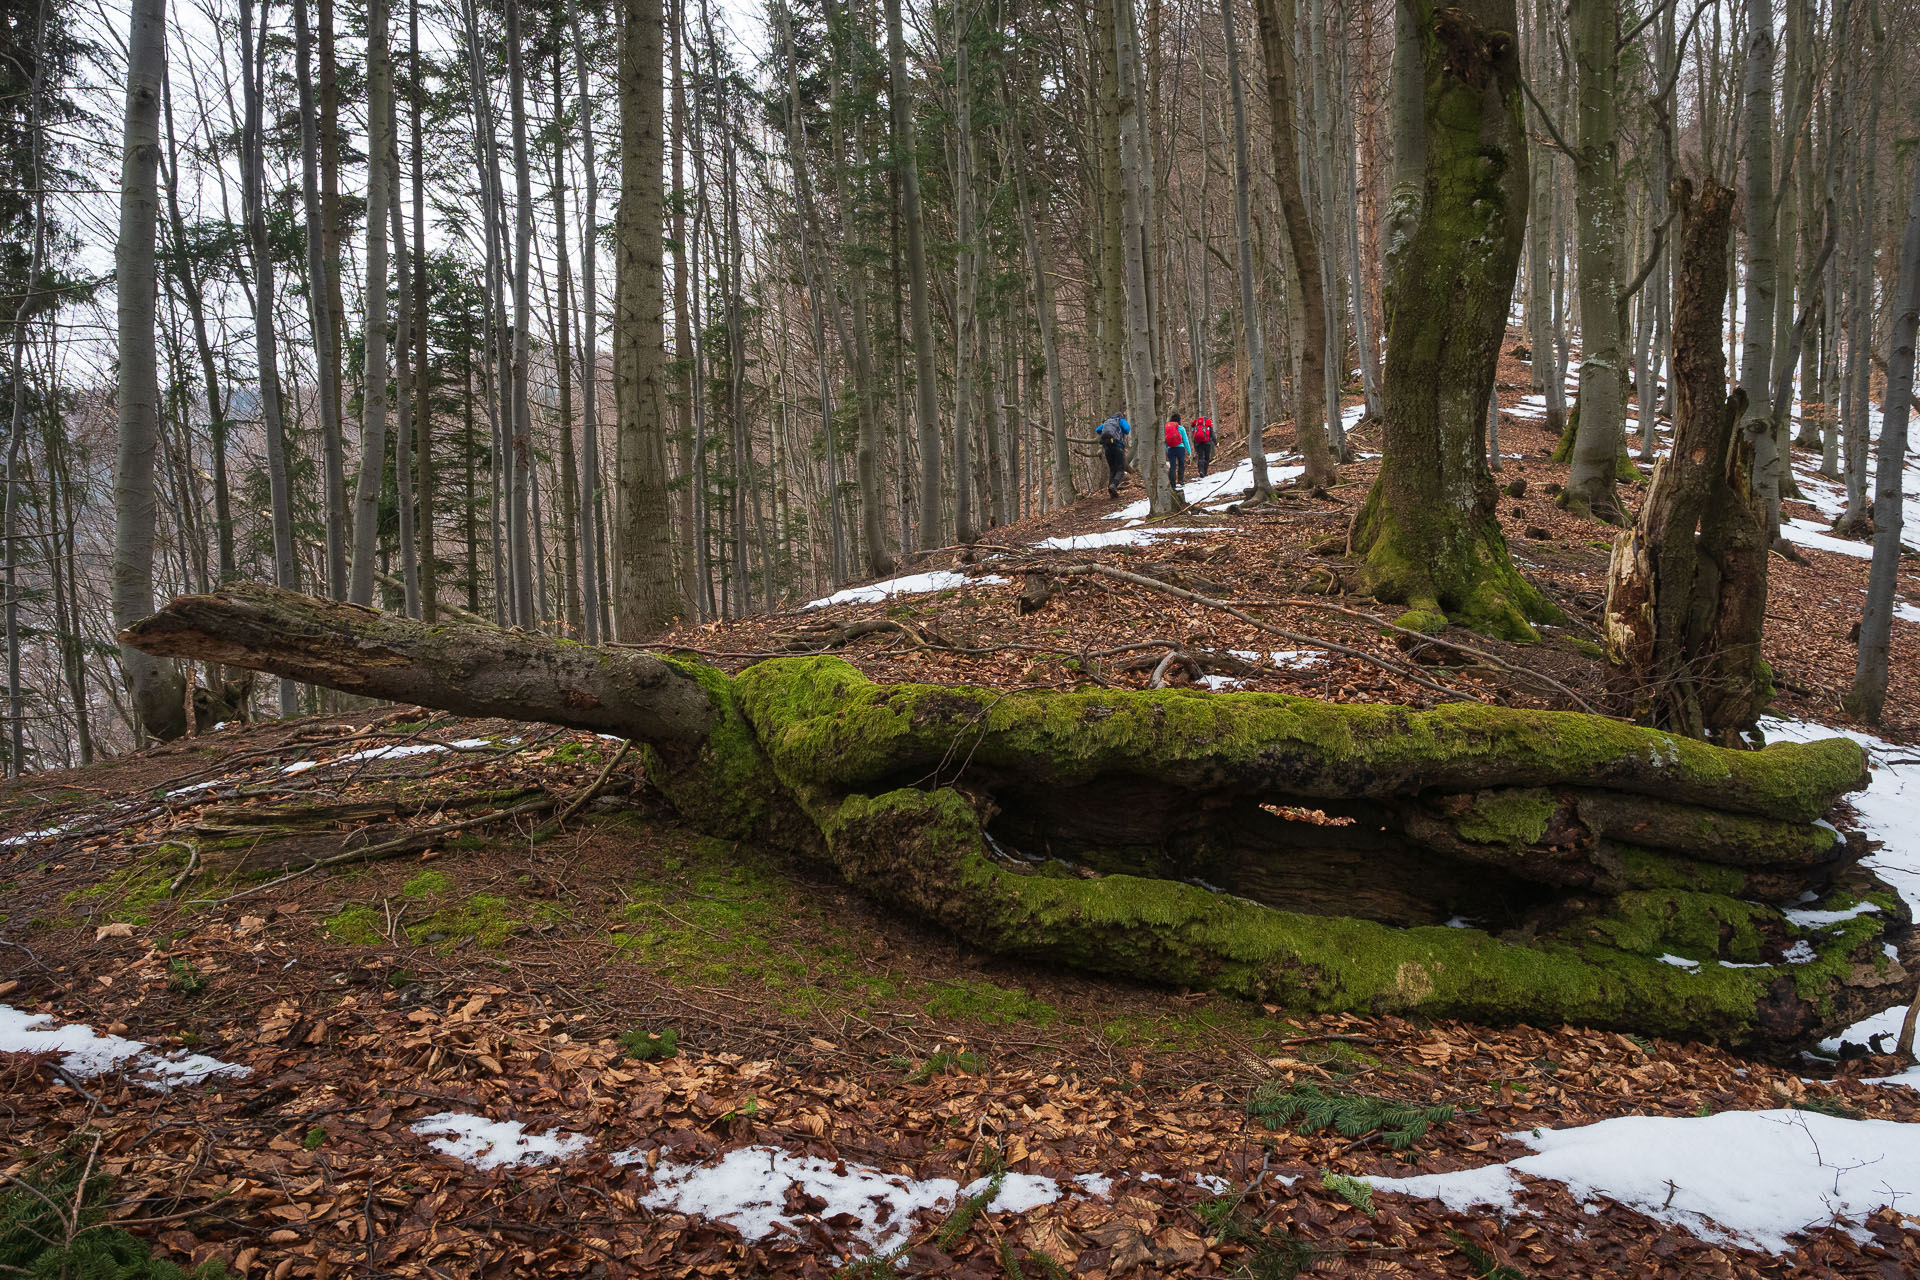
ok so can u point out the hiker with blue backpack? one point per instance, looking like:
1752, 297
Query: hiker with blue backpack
1112, 435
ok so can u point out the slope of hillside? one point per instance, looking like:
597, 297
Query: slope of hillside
547, 1030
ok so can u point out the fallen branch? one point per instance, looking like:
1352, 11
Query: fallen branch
1482, 654
580, 801
1292, 637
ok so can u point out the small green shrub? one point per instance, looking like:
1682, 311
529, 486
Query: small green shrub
53, 1226
944, 1063
1352, 1115
184, 978
1355, 1192
1485, 1265
642, 1045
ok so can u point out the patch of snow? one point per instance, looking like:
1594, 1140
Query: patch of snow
1212, 488
495, 1144
748, 1189
1679, 962
1219, 684
912, 584
1889, 811
1801, 952
1821, 919
1211, 1183
1809, 533
1905, 612
197, 786
1094, 1184
301, 766
1113, 538
1297, 659
1750, 1178
85, 1054
28, 837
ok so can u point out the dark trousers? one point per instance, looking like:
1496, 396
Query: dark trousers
1177, 463
1116, 466
1203, 455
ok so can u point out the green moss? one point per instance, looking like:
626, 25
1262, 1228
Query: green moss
482, 919
1585, 648
357, 926
976, 1001
1427, 622
726, 782
825, 725
1513, 819
1648, 869
1698, 926
130, 894
427, 884
923, 851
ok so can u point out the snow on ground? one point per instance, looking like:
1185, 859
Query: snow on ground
28, 837
495, 1144
749, 1189
1217, 487
1295, 659
1114, 538
911, 585
1811, 533
1741, 1177
85, 1053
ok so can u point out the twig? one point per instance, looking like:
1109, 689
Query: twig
1294, 637
580, 801
374, 853
193, 860
1481, 654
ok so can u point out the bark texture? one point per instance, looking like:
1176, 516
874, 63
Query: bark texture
1458, 217
1585, 849
1687, 588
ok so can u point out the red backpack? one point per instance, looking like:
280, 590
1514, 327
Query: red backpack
1173, 435
1203, 431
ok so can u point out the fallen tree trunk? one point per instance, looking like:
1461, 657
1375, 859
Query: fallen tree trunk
1273, 847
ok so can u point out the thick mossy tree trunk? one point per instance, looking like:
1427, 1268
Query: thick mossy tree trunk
1687, 588
1458, 219
1593, 871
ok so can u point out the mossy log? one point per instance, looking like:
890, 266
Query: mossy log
1274, 847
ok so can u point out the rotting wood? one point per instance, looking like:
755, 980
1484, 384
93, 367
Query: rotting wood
1571, 839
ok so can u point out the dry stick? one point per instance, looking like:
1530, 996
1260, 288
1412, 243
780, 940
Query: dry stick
1159, 676
1154, 584
1481, 654
392, 848
1905, 1047
580, 801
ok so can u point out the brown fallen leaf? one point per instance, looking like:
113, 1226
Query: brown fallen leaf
118, 929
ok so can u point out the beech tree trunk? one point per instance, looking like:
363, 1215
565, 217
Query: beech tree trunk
1687, 588
1310, 407
1587, 849
1458, 217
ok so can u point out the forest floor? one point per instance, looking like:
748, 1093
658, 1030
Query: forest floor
620, 1048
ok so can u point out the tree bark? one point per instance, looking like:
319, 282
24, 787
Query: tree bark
156, 688
1599, 438
1868, 696
1687, 588
1252, 342
1428, 530
1566, 833
1310, 407
647, 594
373, 393
906, 167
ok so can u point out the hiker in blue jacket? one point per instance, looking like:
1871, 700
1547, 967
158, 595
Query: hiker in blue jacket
1179, 448
1112, 435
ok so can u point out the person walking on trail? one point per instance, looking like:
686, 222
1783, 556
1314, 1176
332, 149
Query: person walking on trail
1202, 433
1112, 435
1178, 447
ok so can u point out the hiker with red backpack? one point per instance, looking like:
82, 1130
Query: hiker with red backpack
1178, 447
1202, 433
